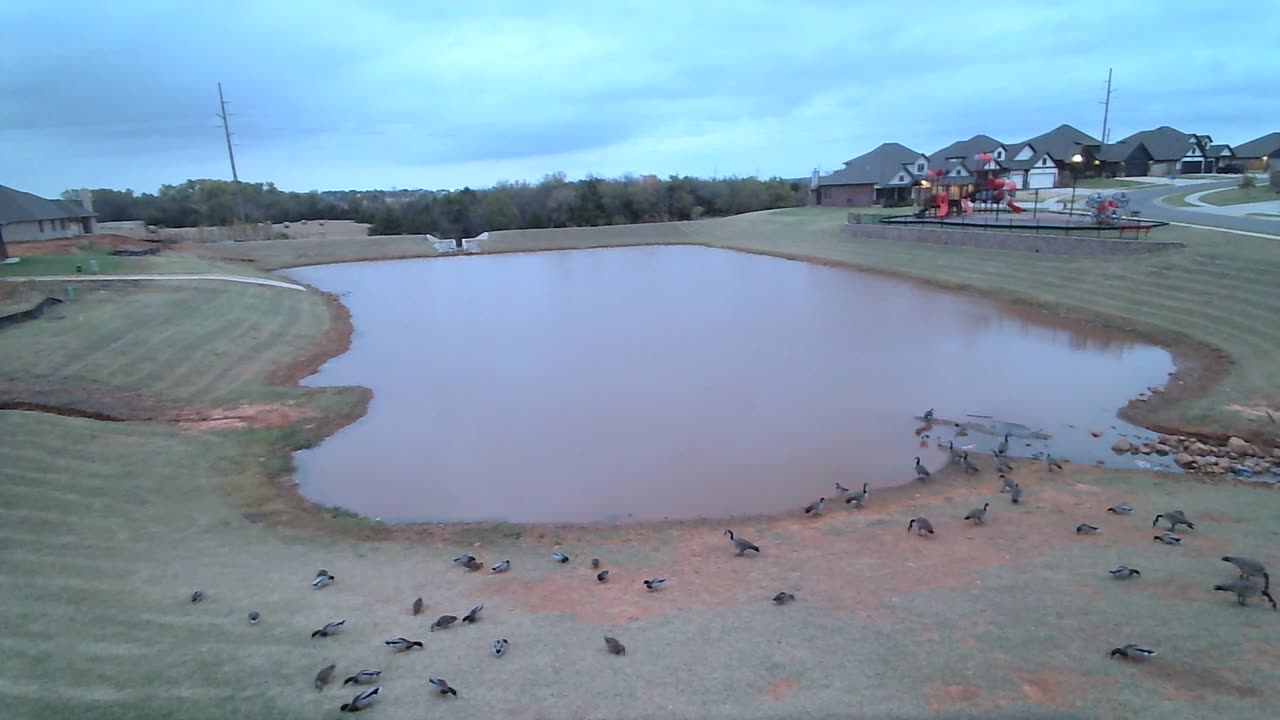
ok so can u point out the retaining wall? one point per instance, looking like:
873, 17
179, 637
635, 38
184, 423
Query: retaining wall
30, 313
1076, 245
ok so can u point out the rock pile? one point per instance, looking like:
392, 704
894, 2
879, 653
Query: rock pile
1235, 457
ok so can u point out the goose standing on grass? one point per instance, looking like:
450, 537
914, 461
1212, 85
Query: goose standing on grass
1052, 462
1003, 447
1174, 518
474, 615
323, 580
1086, 529
472, 565
364, 677
442, 686
742, 545
1167, 539
560, 557
463, 560
330, 628
922, 526
815, 508
1249, 568
922, 472
956, 455
655, 583
401, 644
500, 647
501, 567
783, 598
614, 647
978, 515
443, 622
1006, 484
1123, 508
1002, 462
324, 676
417, 607
1133, 652
254, 617
968, 464
602, 576
1015, 494
859, 498
197, 596
361, 701
1244, 590
1122, 572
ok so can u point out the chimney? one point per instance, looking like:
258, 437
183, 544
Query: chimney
86, 199
813, 180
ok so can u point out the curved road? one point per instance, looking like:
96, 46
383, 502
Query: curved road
1144, 201
160, 276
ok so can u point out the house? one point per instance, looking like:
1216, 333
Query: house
1120, 159
960, 166
884, 176
1257, 152
1172, 151
24, 216
1219, 156
1060, 145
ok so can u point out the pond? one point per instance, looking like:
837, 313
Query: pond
651, 383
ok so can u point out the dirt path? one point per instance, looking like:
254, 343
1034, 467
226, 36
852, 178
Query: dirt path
160, 276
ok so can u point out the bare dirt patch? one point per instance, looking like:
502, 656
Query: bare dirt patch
780, 689
67, 246
946, 698
248, 415
1058, 688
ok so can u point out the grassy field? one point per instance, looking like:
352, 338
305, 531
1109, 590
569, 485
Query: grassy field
1111, 183
1179, 199
1239, 196
109, 526
276, 254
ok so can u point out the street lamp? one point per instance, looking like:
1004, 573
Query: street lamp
1075, 174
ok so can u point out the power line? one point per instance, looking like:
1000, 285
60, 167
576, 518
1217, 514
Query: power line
1106, 106
231, 154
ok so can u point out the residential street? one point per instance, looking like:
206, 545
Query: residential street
1144, 201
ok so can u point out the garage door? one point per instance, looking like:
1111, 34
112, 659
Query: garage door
1192, 166
1041, 177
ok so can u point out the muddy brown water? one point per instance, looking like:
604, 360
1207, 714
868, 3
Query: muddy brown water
640, 384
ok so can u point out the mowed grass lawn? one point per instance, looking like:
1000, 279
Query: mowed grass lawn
1239, 196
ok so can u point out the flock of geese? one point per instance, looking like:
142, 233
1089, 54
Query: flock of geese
1242, 587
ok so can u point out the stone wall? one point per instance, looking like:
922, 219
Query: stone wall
1076, 245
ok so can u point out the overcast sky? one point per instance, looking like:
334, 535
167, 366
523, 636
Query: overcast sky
332, 94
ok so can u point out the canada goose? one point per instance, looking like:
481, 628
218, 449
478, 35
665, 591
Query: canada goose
602, 576
1086, 529
595, 563
968, 464
1052, 462
1136, 652
1121, 509
329, 628
1174, 518
1015, 494
1124, 571
323, 581
742, 545
783, 598
655, 583
443, 622
197, 596
1003, 447
501, 567
1002, 462
614, 647
1245, 590
417, 606
928, 415
401, 644
364, 677
324, 676
361, 701
1249, 568
500, 647
253, 617
841, 490
956, 455
815, 507
859, 498
1167, 539
472, 565
978, 515
559, 557
1006, 483
473, 615
922, 526
442, 686
922, 472
463, 560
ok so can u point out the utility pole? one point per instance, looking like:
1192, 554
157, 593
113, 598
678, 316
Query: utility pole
1106, 107
235, 176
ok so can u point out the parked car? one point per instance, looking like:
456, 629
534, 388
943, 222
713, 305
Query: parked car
1231, 169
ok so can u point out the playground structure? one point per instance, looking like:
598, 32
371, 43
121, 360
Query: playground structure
990, 195
1107, 210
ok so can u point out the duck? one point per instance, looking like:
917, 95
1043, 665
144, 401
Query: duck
197, 596
1123, 572
1168, 539
595, 563
1086, 529
472, 565
1123, 508
1174, 518
783, 598
968, 464
1003, 447
655, 583
364, 677
324, 676
1006, 483
602, 576
922, 472
742, 545
859, 498
500, 647
442, 686
361, 701
1249, 568
1132, 651
1052, 462
815, 507
473, 615
614, 647
417, 607
956, 455
329, 628
463, 560
1244, 590
501, 567
323, 579
1015, 494
443, 622
254, 617
978, 515
401, 644
928, 415
560, 557
841, 490
922, 526
1002, 462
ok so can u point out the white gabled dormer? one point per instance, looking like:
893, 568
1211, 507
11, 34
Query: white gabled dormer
1193, 151
1025, 153
958, 171
901, 177
998, 153
920, 166
1046, 161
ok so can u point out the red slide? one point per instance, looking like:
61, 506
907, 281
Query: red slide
943, 205
1015, 207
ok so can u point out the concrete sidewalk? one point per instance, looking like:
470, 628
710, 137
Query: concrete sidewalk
1266, 206
158, 276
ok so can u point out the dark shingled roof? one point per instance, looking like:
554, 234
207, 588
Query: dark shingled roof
965, 149
877, 167
1216, 150
18, 206
1164, 143
1062, 142
1268, 145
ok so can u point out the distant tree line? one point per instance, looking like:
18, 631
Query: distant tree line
553, 202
